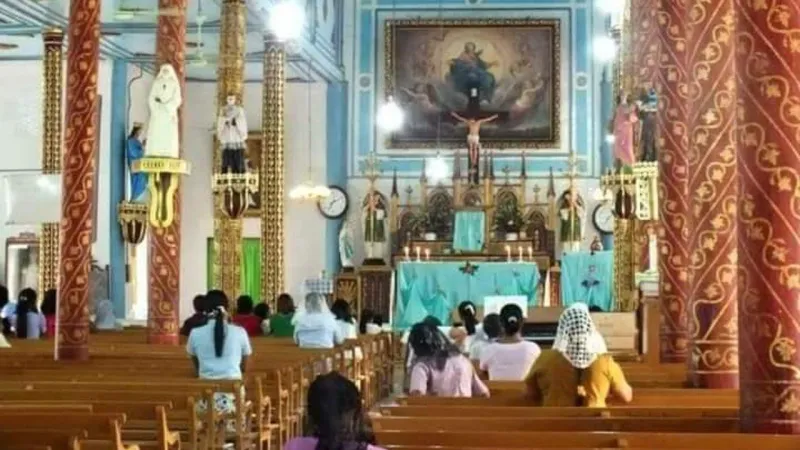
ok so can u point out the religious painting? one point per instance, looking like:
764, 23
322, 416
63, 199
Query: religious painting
252, 160
498, 79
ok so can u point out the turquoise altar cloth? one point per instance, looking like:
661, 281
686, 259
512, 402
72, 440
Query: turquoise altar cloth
468, 231
588, 278
436, 288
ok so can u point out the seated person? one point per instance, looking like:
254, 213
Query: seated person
104, 318
463, 333
439, 368
336, 417
344, 318
27, 320
577, 371
48, 309
511, 357
262, 312
281, 324
244, 316
199, 318
370, 323
315, 326
7, 310
431, 320
491, 331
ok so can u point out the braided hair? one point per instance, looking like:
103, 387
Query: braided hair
217, 302
466, 310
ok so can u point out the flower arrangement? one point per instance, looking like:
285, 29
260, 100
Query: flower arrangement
508, 218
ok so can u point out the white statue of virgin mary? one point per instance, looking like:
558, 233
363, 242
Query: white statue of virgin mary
163, 136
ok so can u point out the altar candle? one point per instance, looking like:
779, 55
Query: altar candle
417, 251
427, 254
520, 253
530, 253
508, 252
406, 250
652, 253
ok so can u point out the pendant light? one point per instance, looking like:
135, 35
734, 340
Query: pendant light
308, 190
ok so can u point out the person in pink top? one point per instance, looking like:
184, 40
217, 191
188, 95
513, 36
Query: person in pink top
510, 357
336, 418
439, 368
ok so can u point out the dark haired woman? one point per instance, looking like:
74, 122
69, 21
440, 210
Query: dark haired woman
219, 351
29, 322
6, 310
439, 368
48, 309
261, 311
464, 333
344, 318
492, 330
244, 316
336, 419
280, 324
199, 318
510, 357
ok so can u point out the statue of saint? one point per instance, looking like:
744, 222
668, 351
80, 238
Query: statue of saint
163, 134
374, 226
134, 151
473, 142
648, 108
346, 249
571, 215
624, 119
232, 134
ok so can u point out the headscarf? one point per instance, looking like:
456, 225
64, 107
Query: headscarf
313, 304
576, 338
104, 316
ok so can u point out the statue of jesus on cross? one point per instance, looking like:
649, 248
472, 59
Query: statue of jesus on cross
473, 142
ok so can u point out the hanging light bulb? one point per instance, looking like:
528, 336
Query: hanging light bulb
436, 169
390, 116
286, 20
610, 138
309, 191
605, 49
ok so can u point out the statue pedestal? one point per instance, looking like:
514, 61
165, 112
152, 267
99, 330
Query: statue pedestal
162, 182
234, 191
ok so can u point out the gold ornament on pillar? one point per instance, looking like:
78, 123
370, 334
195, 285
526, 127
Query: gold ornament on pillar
132, 218
272, 167
51, 149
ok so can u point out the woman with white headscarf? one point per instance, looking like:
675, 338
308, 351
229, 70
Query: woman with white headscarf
314, 324
104, 318
577, 371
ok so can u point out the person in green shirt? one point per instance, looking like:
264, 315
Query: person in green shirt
280, 325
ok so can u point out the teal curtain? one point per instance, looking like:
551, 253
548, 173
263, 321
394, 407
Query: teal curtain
435, 289
588, 278
468, 231
250, 264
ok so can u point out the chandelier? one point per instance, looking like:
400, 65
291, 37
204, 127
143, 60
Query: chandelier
309, 191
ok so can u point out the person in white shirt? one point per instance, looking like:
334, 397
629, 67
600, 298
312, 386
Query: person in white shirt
511, 357
344, 318
491, 331
464, 333
315, 326
28, 321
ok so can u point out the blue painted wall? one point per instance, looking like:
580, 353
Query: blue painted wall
119, 109
580, 79
336, 170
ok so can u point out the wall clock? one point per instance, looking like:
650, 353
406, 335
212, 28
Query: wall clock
335, 205
603, 218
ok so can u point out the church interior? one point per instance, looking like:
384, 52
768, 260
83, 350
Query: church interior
378, 223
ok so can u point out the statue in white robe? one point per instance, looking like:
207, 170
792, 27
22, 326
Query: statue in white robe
232, 135
163, 133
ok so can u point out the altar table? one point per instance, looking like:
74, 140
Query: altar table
436, 288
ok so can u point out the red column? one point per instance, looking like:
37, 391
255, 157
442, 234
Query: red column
769, 215
713, 346
645, 44
165, 243
78, 181
673, 182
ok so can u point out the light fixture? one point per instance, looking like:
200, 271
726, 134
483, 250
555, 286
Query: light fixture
605, 49
610, 138
390, 116
308, 190
610, 6
287, 20
436, 169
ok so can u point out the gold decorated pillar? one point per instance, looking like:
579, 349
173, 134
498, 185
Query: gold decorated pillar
51, 149
230, 81
271, 170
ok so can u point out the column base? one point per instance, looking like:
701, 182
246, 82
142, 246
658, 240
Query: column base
713, 380
163, 339
69, 353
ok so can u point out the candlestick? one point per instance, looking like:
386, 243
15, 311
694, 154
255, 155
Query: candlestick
417, 251
530, 253
427, 254
406, 250
508, 253
520, 253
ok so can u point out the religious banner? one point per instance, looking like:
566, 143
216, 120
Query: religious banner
461, 78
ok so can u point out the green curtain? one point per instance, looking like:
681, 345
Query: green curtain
250, 264
468, 231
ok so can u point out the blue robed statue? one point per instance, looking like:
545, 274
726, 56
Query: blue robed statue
469, 71
134, 150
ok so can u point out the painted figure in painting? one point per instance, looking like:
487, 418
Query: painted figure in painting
648, 107
232, 135
163, 137
473, 141
624, 119
527, 97
134, 151
469, 71
571, 214
374, 217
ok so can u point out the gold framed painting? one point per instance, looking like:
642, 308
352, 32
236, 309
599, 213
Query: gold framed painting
505, 69
252, 160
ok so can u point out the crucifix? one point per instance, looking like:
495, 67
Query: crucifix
471, 118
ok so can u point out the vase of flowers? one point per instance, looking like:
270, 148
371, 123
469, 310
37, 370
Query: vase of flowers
508, 220
423, 227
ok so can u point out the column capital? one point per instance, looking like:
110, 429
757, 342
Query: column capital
53, 37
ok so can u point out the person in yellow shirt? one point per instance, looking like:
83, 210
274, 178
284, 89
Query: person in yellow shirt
577, 371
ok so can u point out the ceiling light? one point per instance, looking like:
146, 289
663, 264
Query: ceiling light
605, 49
286, 20
309, 191
390, 116
610, 138
437, 169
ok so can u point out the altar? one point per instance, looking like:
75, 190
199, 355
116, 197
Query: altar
436, 288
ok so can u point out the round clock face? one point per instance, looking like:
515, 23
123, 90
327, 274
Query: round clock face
335, 205
603, 218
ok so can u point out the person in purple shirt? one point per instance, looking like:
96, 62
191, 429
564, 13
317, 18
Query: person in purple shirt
439, 368
336, 418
